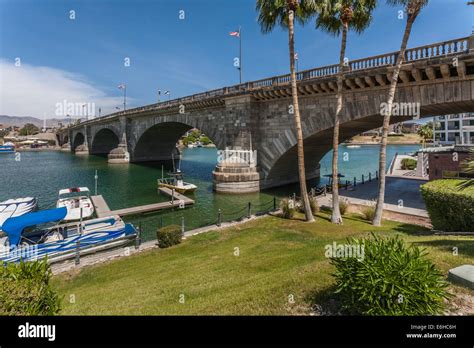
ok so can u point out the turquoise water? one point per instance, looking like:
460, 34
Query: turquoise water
43, 174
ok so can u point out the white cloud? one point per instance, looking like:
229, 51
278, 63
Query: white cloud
37, 91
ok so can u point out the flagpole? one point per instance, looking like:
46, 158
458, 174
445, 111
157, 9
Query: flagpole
240, 53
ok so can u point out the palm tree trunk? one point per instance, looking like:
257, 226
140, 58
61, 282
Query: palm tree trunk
299, 132
336, 213
386, 122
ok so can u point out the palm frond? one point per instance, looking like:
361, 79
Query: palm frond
329, 15
272, 13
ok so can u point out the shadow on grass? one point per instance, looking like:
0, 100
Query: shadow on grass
324, 301
464, 247
413, 230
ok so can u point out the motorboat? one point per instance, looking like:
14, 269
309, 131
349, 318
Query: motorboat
176, 182
16, 207
190, 146
78, 203
352, 146
37, 235
7, 148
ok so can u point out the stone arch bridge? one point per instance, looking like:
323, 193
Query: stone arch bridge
435, 79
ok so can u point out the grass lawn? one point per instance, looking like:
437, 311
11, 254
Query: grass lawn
277, 259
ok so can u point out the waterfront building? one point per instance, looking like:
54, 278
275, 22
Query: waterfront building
455, 129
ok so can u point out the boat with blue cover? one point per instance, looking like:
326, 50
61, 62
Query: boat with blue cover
37, 235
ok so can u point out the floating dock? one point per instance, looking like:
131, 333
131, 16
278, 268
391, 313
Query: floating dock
178, 200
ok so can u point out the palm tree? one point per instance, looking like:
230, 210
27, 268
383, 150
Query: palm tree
336, 16
426, 133
284, 13
413, 9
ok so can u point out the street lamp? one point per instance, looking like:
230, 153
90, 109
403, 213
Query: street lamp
159, 93
168, 93
124, 87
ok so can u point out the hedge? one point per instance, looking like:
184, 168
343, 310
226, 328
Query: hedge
449, 207
169, 235
408, 163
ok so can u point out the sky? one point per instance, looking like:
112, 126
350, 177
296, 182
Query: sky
51, 57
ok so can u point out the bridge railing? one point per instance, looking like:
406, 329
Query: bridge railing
440, 49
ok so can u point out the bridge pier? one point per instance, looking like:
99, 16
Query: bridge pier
236, 178
82, 150
120, 154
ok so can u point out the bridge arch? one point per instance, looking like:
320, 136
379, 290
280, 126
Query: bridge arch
104, 141
79, 139
158, 141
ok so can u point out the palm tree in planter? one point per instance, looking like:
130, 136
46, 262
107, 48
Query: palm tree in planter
284, 13
426, 133
338, 17
412, 9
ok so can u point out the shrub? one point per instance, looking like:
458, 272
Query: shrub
343, 206
169, 235
313, 203
408, 163
25, 289
368, 212
449, 208
288, 208
205, 140
390, 279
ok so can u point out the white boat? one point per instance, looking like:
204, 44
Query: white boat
190, 145
353, 146
7, 148
16, 207
177, 183
77, 201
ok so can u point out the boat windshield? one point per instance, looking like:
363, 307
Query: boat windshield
75, 192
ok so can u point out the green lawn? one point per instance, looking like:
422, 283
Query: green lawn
278, 258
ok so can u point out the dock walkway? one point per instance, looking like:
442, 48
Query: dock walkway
178, 200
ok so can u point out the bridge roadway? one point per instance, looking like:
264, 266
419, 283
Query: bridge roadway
438, 78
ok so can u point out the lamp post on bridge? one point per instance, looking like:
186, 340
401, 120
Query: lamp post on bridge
123, 86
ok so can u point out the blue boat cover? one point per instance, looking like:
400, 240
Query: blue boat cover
14, 227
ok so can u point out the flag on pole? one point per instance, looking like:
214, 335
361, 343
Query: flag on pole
235, 33
296, 56
121, 86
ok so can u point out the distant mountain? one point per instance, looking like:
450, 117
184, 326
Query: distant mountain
20, 121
